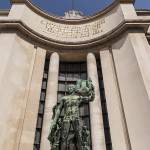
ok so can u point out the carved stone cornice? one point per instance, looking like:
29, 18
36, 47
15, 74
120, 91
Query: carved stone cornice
60, 19
40, 35
69, 21
4, 12
127, 1
17, 25
17, 1
23, 1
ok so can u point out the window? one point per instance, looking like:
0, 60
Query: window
69, 73
104, 108
38, 130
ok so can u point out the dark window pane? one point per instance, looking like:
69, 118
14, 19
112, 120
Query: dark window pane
83, 76
44, 85
61, 77
61, 87
41, 108
104, 107
83, 67
62, 67
38, 131
101, 83
37, 137
71, 72
69, 77
42, 98
76, 76
45, 76
39, 122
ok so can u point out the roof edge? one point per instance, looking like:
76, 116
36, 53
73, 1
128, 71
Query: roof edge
127, 1
4, 12
17, 1
56, 18
121, 1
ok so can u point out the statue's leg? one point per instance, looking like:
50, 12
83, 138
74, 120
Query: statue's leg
64, 135
72, 138
56, 140
78, 132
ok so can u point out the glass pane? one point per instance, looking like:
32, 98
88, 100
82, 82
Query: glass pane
83, 76
39, 122
76, 76
104, 107
44, 85
41, 108
45, 76
42, 98
61, 87
37, 137
61, 77
83, 67
76, 67
62, 67
101, 83
107, 136
69, 77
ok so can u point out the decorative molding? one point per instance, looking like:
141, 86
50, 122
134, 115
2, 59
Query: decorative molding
4, 12
59, 19
143, 12
124, 26
44, 33
127, 1
17, 1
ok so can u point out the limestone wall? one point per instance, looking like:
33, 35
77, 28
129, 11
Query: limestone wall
19, 90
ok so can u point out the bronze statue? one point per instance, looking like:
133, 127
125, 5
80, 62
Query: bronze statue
68, 127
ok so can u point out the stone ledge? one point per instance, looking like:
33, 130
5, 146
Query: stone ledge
126, 1
4, 12
121, 1
46, 41
17, 1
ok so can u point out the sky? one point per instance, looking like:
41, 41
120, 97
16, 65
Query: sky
88, 7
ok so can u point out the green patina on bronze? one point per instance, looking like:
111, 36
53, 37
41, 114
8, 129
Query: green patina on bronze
65, 128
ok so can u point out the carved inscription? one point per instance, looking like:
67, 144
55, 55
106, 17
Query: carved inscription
72, 31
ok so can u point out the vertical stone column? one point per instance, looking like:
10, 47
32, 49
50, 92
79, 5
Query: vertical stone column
27, 134
51, 99
17, 60
142, 52
114, 103
131, 59
97, 129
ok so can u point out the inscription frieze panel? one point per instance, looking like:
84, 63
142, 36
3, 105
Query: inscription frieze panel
72, 32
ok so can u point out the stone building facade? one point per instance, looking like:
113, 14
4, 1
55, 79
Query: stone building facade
41, 54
